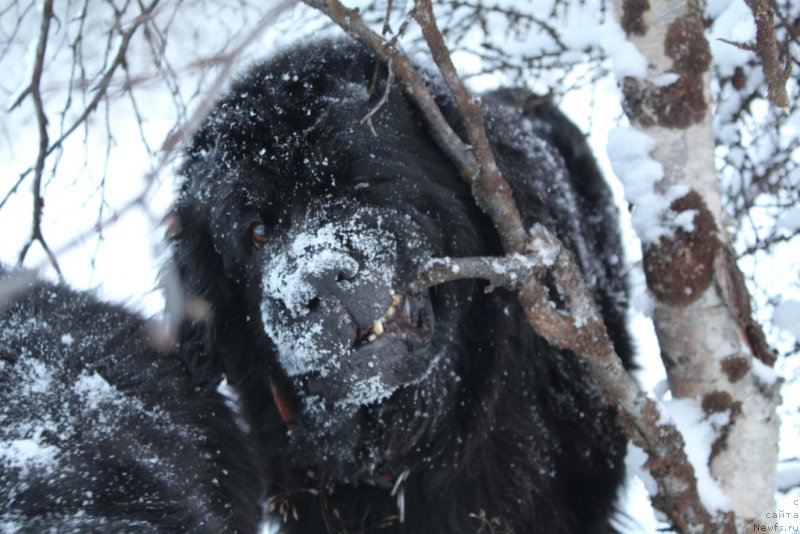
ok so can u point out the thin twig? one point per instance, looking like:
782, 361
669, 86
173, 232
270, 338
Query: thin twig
41, 121
387, 28
385, 98
101, 89
510, 272
102, 86
175, 139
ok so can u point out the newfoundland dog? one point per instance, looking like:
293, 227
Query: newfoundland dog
100, 432
307, 206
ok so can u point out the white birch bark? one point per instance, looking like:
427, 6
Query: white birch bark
702, 314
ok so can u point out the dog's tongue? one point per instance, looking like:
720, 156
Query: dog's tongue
282, 404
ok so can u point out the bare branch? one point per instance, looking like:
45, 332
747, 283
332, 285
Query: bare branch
509, 272
580, 329
491, 191
176, 138
34, 90
101, 88
120, 39
15, 187
767, 49
41, 121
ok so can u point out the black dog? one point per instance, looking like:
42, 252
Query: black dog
99, 432
302, 225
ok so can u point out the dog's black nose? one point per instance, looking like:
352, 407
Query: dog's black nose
343, 292
326, 286
334, 277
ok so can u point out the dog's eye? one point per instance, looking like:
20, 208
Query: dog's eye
362, 185
258, 233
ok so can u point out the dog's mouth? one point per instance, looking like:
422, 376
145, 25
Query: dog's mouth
408, 318
384, 356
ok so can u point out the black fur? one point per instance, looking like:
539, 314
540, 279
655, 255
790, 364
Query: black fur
99, 432
458, 419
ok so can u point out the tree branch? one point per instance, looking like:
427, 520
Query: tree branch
174, 140
45, 147
409, 79
767, 49
41, 121
491, 190
384, 98
101, 88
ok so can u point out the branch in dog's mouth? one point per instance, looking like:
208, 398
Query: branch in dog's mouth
544, 253
570, 322
510, 271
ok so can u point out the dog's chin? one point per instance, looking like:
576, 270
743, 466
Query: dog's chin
335, 416
336, 445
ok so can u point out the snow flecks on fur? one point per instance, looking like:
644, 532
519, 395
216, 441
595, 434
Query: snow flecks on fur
93, 390
52, 400
24, 454
99, 430
323, 250
366, 391
629, 152
64, 403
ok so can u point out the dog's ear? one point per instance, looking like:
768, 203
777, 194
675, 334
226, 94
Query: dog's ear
189, 279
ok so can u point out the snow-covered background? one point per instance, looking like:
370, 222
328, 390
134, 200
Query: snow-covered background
108, 186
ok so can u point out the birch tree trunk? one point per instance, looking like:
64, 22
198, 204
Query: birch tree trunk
712, 349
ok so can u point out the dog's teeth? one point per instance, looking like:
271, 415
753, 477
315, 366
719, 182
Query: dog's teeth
396, 300
377, 328
372, 337
391, 311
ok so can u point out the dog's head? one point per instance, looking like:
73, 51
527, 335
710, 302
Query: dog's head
303, 223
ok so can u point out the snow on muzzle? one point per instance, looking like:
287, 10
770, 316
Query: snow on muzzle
346, 333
